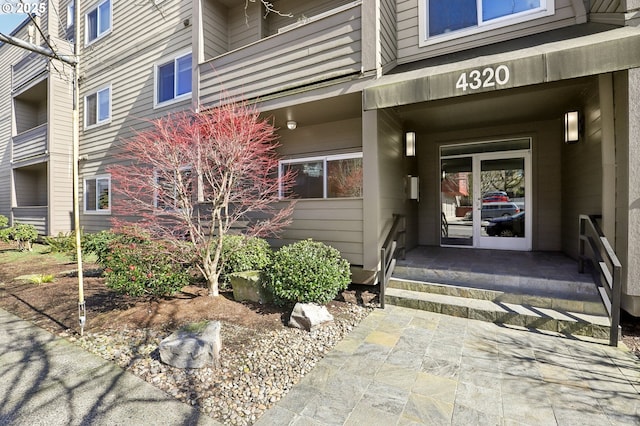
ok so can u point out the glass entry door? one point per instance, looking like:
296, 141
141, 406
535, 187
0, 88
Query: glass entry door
484, 196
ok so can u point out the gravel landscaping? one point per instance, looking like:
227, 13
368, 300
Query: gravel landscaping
254, 375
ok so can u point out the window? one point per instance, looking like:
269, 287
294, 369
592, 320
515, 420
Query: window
446, 19
97, 195
70, 14
97, 107
168, 192
173, 79
98, 21
335, 176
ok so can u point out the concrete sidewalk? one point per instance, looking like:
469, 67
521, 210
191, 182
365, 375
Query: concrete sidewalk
46, 380
408, 367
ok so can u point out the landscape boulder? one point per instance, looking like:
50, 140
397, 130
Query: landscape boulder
308, 316
193, 347
248, 286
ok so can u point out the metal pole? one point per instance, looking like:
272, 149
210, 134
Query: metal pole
82, 310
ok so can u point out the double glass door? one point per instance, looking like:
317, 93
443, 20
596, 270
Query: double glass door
485, 195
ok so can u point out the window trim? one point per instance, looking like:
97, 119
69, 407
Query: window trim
97, 210
547, 8
98, 121
99, 34
164, 61
325, 181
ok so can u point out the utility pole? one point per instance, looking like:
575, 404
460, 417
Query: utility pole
74, 61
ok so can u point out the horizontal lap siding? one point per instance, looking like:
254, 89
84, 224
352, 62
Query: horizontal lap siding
36, 216
30, 143
214, 29
336, 222
315, 52
29, 69
606, 6
8, 55
408, 31
388, 36
125, 59
60, 155
299, 11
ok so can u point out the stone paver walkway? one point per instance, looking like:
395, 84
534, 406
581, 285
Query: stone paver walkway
408, 367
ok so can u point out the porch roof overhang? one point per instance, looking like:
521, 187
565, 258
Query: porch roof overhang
608, 51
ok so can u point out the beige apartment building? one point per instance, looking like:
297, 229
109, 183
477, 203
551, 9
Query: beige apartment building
422, 104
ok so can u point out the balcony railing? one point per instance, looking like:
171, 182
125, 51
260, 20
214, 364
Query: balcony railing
320, 50
28, 69
31, 143
32, 215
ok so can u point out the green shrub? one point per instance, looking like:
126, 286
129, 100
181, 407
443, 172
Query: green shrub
98, 243
137, 266
307, 272
62, 243
241, 253
24, 234
5, 232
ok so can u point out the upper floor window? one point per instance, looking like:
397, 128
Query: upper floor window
70, 14
333, 176
97, 107
97, 194
98, 21
173, 79
446, 19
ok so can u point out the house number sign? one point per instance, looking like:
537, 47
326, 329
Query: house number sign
483, 78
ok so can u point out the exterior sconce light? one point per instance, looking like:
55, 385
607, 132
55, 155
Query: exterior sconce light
291, 125
572, 127
410, 144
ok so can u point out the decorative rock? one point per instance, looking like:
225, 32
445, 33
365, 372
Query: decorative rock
247, 285
192, 349
308, 316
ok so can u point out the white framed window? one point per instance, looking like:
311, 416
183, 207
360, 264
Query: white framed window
97, 21
97, 194
331, 176
97, 107
70, 14
442, 20
172, 79
166, 193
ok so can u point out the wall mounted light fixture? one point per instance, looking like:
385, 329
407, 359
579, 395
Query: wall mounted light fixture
572, 127
291, 125
410, 144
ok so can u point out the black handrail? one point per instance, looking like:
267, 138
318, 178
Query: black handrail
605, 266
388, 254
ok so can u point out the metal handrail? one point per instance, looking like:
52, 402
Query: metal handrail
444, 225
388, 254
606, 268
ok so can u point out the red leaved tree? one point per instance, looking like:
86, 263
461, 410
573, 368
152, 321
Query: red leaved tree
194, 177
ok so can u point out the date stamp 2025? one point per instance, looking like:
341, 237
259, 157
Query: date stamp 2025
24, 7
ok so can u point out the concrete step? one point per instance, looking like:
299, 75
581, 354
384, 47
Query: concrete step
523, 315
561, 285
584, 303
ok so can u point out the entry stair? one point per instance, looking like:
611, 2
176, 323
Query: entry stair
567, 307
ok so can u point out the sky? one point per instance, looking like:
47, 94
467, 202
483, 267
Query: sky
8, 22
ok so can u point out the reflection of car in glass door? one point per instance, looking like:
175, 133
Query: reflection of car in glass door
507, 226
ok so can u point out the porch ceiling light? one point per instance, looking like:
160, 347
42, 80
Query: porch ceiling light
291, 125
572, 127
410, 144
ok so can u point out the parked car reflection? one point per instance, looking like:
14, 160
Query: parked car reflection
506, 226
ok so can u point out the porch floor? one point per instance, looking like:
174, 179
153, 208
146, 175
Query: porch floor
549, 274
